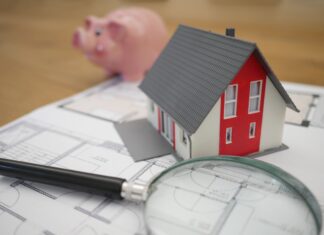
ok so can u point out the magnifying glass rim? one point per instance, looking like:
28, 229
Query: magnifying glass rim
284, 177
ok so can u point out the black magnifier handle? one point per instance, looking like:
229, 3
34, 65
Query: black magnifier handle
76, 180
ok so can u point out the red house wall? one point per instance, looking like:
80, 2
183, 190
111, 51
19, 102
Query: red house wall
241, 144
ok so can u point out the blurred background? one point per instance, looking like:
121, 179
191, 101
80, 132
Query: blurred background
38, 64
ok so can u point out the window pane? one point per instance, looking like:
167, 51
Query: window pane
255, 88
228, 135
166, 123
230, 93
162, 121
184, 138
230, 109
170, 128
254, 104
252, 130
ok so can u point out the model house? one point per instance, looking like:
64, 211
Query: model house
212, 94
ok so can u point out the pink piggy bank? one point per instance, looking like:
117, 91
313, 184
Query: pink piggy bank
126, 41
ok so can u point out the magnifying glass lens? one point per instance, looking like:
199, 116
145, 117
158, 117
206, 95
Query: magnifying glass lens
225, 197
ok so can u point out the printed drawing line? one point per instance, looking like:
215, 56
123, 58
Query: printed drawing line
95, 210
46, 232
102, 219
140, 172
14, 202
37, 130
38, 190
11, 212
84, 211
89, 114
17, 182
227, 211
311, 110
54, 160
114, 146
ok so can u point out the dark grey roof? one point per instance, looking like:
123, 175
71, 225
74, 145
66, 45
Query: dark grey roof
193, 71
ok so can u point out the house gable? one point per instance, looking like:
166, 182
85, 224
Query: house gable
241, 142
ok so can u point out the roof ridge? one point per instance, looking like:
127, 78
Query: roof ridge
217, 34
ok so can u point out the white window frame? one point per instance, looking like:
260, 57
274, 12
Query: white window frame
231, 101
230, 130
252, 125
255, 97
167, 126
162, 122
184, 137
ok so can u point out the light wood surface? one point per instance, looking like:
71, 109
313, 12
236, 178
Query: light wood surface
38, 64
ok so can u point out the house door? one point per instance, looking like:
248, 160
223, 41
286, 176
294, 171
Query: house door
167, 127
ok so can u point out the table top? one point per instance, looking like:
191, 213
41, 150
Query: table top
38, 64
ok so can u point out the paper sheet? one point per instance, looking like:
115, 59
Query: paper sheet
70, 134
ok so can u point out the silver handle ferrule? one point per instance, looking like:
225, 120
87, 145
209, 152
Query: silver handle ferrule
134, 192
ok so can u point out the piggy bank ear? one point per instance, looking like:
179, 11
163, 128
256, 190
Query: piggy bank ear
89, 21
116, 30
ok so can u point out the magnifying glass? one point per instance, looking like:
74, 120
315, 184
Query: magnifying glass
211, 195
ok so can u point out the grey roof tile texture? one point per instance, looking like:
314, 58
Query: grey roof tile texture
193, 71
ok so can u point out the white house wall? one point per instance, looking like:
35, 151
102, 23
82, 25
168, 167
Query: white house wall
205, 142
273, 118
182, 149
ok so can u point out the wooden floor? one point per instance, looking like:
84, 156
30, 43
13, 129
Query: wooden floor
38, 64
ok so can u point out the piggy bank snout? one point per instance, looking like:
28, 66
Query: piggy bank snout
100, 49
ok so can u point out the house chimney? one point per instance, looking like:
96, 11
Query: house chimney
230, 32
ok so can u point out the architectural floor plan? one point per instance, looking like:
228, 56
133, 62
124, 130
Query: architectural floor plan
43, 209
78, 133
222, 198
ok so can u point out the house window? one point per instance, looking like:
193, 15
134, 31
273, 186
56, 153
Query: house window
152, 106
252, 130
184, 137
255, 96
230, 101
167, 126
228, 135
162, 122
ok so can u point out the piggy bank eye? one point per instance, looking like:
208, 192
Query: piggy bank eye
98, 32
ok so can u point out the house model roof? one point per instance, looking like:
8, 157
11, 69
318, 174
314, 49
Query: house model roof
194, 70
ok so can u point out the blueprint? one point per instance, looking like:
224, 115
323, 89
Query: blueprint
78, 133
222, 198
33, 208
